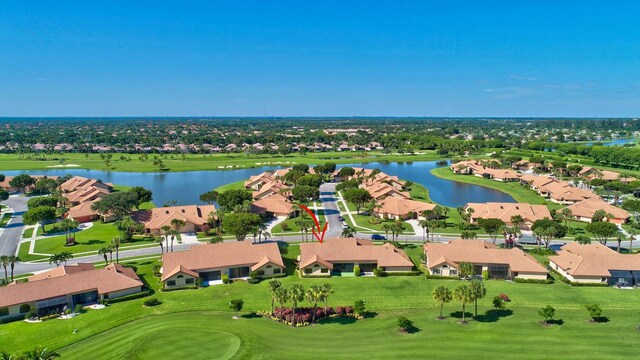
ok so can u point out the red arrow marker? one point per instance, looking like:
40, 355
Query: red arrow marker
320, 232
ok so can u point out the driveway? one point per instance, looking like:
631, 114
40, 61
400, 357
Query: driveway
11, 234
330, 205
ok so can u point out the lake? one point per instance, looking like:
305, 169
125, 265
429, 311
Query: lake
185, 187
617, 142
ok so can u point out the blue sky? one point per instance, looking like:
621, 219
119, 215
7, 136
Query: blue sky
320, 58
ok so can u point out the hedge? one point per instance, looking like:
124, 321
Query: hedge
139, 295
186, 287
405, 273
533, 281
441, 277
577, 284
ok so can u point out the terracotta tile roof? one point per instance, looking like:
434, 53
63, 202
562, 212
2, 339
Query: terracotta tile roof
401, 207
593, 260
480, 252
527, 177
586, 208
62, 271
270, 188
158, 217
7, 179
276, 204
262, 178
380, 190
351, 249
82, 210
79, 182
221, 255
504, 211
113, 277
563, 191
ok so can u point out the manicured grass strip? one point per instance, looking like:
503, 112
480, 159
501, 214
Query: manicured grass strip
238, 185
193, 162
5, 219
420, 193
23, 253
27, 233
517, 191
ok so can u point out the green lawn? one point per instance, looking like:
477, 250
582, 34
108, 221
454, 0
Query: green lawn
92, 239
517, 191
364, 221
5, 219
419, 192
27, 233
294, 228
238, 185
192, 162
128, 330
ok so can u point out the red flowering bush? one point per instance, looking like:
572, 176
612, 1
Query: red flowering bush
504, 297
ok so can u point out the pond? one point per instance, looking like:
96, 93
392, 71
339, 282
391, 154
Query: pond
617, 142
185, 187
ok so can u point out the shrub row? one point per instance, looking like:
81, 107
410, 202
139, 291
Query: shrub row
441, 277
186, 287
533, 281
577, 284
407, 273
304, 315
139, 295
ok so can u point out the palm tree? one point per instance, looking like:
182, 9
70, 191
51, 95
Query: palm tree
314, 294
262, 228
115, 242
566, 214
517, 221
177, 224
40, 353
4, 261
110, 249
13, 260
104, 251
273, 287
348, 232
387, 227
424, 224
464, 295
65, 256
633, 232
55, 259
398, 228
619, 238
479, 291
441, 295
165, 229
281, 295
7, 356
325, 289
173, 234
296, 294
160, 242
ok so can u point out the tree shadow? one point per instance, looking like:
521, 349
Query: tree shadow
90, 242
338, 320
493, 315
411, 330
600, 319
251, 315
553, 322
370, 314
458, 315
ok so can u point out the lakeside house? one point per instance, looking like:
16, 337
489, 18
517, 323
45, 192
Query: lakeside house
340, 256
591, 173
5, 184
196, 218
81, 193
68, 286
209, 262
402, 209
444, 259
585, 209
504, 211
596, 263
276, 205
381, 190
258, 181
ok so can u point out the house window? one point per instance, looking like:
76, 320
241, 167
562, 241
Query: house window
268, 267
24, 308
316, 265
324, 271
277, 271
436, 271
260, 272
179, 276
307, 271
188, 281
453, 272
4, 311
171, 283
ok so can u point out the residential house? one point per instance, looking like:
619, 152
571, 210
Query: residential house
271, 188
596, 263
209, 262
5, 184
504, 211
585, 209
402, 209
445, 258
196, 218
380, 191
339, 256
275, 205
258, 181
67, 286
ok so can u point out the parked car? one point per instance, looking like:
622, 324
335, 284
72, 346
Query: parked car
341, 218
378, 237
527, 239
344, 225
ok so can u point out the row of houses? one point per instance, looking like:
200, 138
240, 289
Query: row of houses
6, 183
583, 202
67, 286
590, 263
81, 193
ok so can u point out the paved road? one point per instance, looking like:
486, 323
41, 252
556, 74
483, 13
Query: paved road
10, 235
329, 202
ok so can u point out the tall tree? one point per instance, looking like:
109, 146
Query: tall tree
466, 269
491, 226
359, 197
441, 295
464, 295
241, 224
479, 292
22, 181
602, 231
13, 260
39, 215
273, 287
547, 230
296, 294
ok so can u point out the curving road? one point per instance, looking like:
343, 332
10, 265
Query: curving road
11, 234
